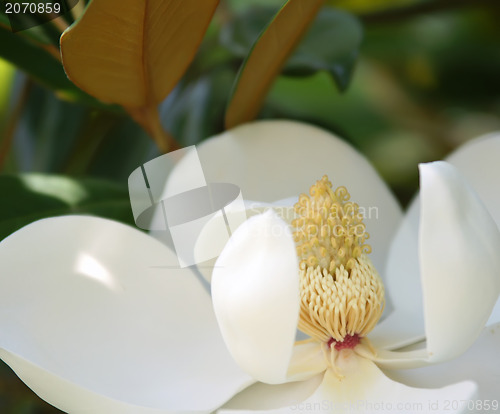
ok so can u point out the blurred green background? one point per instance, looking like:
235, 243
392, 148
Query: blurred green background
425, 81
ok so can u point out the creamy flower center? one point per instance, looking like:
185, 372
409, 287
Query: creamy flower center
342, 295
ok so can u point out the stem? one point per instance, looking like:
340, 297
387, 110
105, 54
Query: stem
149, 119
401, 13
10, 130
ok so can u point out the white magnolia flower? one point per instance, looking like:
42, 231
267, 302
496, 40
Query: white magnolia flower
96, 318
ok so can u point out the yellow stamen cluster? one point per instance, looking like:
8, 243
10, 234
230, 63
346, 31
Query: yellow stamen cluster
340, 304
330, 229
341, 291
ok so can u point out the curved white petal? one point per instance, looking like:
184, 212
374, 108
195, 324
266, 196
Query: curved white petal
480, 363
273, 160
69, 396
459, 260
405, 324
477, 161
460, 271
94, 318
365, 389
211, 230
255, 292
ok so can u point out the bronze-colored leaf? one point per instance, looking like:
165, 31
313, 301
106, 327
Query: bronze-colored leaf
267, 58
131, 52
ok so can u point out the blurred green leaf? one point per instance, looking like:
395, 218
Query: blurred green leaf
124, 147
195, 110
314, 100
33, 196
47, 131
241, 5
55, 136
4, 20
267, 58
451, 60
6, 77
331, 44
45, 34
34, 26
239, 34
34, 60
365, 6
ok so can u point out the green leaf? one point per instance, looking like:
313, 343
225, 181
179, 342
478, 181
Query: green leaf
239, 34
331, 44
368, 6
40, 31
33, 196
195, 110
7, 72
4, 20
241, 5
35, 61
124, 147
313, 100
267, 57
47, 131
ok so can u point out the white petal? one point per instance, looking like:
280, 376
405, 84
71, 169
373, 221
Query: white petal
69, 396
460, 264
307, 361
393, 360
210, 231
495, 314
405, 324
401, 328
273, 160
94, 319
255, 291
481, 364
262, 396
477, 161
365, 389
